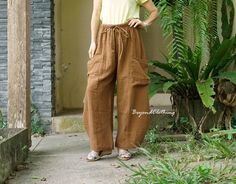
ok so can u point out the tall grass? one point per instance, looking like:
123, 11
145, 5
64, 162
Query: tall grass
173, 171
206, 161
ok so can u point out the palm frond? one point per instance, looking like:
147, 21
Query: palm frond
171, 15
213, 30
200, 21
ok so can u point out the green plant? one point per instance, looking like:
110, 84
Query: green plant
183, 125
36, 121
173, 171
151, 136
195, 61
220, 147
3, 123
219, 144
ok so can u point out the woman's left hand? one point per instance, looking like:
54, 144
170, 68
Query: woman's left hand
153, 14
136, 23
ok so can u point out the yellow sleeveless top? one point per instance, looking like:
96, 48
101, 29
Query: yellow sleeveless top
119, 11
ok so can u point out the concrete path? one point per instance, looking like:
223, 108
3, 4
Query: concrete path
61, 159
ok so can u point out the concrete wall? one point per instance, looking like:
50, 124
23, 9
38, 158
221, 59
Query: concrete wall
58, 72
72, 23
154, 42
13, 150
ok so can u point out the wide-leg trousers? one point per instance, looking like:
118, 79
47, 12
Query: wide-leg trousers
119, 59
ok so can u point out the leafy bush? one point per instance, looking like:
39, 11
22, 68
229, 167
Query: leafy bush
36, 121
151, 136
3, 123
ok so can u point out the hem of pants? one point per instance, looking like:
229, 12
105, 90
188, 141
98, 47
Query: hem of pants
126, 147
97, 149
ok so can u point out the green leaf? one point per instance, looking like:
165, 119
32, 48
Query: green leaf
153, 89
167, 85
156, 84
230, 75
206, 91
166, 67
221, 55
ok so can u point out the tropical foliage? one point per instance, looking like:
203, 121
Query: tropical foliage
198, 54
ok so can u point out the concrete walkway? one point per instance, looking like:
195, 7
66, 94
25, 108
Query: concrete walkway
61, 159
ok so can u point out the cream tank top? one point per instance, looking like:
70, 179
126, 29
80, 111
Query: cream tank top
120, 11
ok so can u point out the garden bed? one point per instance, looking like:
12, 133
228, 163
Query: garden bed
13, 150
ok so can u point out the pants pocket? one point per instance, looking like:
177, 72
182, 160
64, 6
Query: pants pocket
139, 71
93, 71
93, 65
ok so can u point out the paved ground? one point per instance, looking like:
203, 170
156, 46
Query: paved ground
60, 159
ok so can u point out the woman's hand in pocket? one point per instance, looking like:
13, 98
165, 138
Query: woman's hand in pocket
92, 49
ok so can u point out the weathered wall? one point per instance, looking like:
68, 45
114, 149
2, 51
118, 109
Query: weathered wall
154, 42
72, 23
58, 71
41, 57
13, 150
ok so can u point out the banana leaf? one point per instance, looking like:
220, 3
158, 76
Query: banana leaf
206, 91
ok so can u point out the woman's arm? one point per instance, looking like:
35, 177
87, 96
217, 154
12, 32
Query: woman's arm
153, 14
95, 21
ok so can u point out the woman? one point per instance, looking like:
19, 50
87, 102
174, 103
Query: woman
117, 55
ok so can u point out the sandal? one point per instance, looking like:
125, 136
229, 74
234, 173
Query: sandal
94, 155
124, 154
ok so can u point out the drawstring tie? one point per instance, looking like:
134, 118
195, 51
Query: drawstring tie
118, 28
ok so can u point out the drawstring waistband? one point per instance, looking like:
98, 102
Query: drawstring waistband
118, 27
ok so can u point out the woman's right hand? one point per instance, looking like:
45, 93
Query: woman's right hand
92, 49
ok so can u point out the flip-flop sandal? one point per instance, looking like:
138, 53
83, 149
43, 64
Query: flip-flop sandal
124, 154
94, 156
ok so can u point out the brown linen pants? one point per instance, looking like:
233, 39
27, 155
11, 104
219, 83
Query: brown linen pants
119, 57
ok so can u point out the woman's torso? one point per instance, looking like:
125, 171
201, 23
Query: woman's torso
119, 11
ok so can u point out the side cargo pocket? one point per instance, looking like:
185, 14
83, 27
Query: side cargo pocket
139, 71
93, 71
